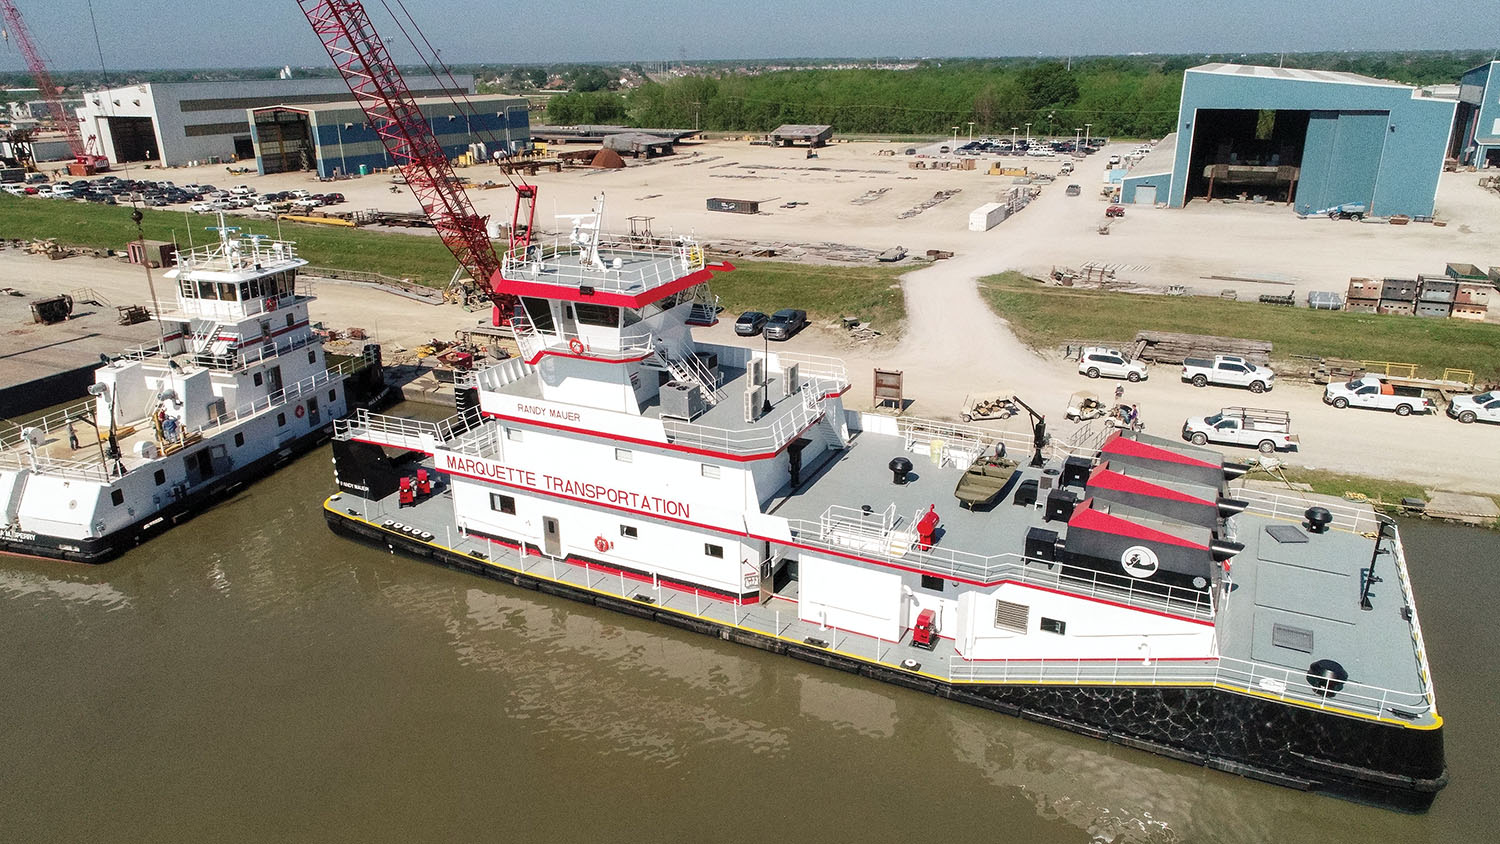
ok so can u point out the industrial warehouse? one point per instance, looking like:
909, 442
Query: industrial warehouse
1315, 140
334, 138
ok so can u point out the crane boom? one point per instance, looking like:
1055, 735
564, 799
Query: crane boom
376, 83
50, 92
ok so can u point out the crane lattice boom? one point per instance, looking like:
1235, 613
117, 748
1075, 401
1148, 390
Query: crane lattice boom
377, 85
50, 92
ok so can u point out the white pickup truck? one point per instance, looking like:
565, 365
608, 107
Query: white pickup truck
1484, 407
1230, 371
1267, 430
1370, 391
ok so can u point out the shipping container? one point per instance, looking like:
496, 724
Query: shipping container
1467, 311
1473, 293
1362, 306
1467, 272
735, 206
987, 216
1364, 288
1399, 289
1437, 288
1434, 309
1396, 307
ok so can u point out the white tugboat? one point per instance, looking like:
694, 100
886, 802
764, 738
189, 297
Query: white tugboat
1121, 586
236, 384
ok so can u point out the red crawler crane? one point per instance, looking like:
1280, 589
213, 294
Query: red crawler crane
377, 85
85, 161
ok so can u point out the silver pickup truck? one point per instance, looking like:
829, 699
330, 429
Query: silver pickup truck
1267, 430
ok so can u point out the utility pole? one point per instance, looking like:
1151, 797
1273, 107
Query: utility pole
1077, 139
1088, 131
1028, 136
1013, 138
955, 137
971, 131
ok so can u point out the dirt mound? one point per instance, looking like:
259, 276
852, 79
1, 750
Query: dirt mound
607, 159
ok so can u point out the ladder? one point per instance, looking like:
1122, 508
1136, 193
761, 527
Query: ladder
689, 369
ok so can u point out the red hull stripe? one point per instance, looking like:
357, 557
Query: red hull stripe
571, 293
545, 352
704, 452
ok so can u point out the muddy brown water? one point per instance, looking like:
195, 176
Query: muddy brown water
250, 677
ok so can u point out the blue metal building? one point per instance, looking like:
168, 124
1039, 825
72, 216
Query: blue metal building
1476, 136
334, 138
1314, 139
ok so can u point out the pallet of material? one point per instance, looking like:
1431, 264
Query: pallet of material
1437, 288
1277, 299
1172, 347
1324, 300
1439, 310
1476, 313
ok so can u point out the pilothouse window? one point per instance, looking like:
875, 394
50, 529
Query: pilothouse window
604, 316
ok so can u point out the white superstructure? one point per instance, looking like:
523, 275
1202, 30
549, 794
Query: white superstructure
236, 375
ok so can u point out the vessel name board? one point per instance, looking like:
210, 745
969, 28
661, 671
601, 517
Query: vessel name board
555, 413
492, 470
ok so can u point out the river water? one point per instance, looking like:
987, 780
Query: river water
250, 677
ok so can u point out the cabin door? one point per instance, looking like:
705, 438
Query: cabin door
273, 383
551, 539
312, 413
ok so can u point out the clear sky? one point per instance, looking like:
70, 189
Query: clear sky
225, 33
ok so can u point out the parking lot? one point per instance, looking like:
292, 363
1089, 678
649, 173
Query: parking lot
200, 198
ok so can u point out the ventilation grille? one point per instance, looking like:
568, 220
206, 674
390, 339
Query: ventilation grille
1293, 638
1010, 616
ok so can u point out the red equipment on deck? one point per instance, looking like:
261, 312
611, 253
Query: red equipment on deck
924, 635
407, 497
361, 57
86, 162
926, 527
424, 483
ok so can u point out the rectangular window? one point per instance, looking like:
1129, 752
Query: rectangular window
629, 531
1008, 616
513, 434
312, 356
239, 440
1052, 625
332, 394
709, 470
715, 551
539, 312
259, 379
624, 456
281, 420
289, 318
160, 477
606, 316
117, 497
226, 291
503, 503
1292, 638
933, 582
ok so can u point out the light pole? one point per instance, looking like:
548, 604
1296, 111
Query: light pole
955, 137
971, 131
1013, 138
1028, 136
1088, 132
1077, 139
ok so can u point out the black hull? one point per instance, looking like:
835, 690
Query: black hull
1264, 739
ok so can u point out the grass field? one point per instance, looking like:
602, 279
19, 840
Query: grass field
422, 259
871, 293
1046, 316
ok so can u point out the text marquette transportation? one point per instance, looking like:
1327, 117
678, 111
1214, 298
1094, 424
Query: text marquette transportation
1120, 586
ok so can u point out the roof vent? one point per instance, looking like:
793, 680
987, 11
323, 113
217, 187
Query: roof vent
1318, 519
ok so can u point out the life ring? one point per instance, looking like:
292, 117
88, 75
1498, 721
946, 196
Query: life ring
602, 544
576, 345
300, 411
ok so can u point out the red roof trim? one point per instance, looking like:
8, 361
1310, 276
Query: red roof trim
1136, 448
571, 292
1090, 519
1106, 479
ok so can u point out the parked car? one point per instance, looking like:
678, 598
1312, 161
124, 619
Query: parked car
785, 323
208, 207
268, 207
1267, 430
1114, 211
1099, 362
242, 190
1371, 391
307, 202
1228, 371
750, 323
14, 190
301, 193
1484, 407
333, 198
1074, 190
37, 179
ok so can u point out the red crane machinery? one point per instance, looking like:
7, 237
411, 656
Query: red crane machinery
361, 57
85, 161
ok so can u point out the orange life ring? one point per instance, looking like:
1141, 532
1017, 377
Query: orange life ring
602, 544
576, 345
300, 411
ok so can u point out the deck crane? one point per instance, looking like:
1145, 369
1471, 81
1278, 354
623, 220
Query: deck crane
377, 85
86, 161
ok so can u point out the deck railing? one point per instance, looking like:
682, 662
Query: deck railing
645, 264
410, 434
1294, 507
876, 538
1285, 684
534, 342
785, 423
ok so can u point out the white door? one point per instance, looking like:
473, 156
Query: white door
1145, 195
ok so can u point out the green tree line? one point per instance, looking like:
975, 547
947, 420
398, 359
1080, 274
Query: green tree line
1133, 96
